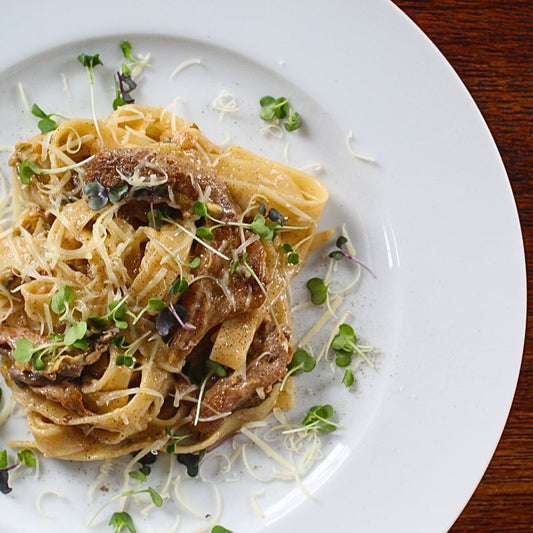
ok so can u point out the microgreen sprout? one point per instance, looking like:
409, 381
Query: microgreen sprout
89, 62
118, 311
344, 344
273, 107
97, 195
259, 225
294, 121
27, 457
25, 351
279, 109
126, 358
122, 520
348, 378
175, 439
139, 475
343, 253
61, 300
220, 529
4, 472
27, 170
191, 462
124, 83
317, 418
123, 359
318, 290
170, 318
155, 305
46, 123
155, 217
117, 192
301, 360
292, 256
24, 456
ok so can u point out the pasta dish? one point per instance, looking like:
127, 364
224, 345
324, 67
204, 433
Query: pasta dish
143, 294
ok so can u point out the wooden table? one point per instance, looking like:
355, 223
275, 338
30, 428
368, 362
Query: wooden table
490, 45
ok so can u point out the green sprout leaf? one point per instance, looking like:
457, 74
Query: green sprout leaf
345, 340
122, 520
97, 322
138, 475
220, 529
261, 228
3, 458
124, 360
27, 170
317, 418
125, 46
276, 216
97, 195
75, 333
37, 361
38, 112
216, 368
302, 360
156, 216
23, 350
203, 232
279, 108
343, 359
89, 61
178, 286
46, 123
62, 299
27, 457
195, 263
318, 290
156, 498
118, 313
293, 258
117, 192
294, 121
348, 378
341, 241
337, 255
267, 107
156, 304
200, 209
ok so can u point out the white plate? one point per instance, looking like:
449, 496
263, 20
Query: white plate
434, 218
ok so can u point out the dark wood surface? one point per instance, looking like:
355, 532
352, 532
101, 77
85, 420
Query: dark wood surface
490, 45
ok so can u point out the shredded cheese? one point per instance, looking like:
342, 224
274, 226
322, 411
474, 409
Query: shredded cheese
44, 494
66, 88
224, 103
362, 157
22, 94
185, 64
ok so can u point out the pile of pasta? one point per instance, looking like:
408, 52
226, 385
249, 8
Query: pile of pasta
105, 255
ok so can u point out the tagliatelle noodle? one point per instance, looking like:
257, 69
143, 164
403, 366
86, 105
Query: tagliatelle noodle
57, 239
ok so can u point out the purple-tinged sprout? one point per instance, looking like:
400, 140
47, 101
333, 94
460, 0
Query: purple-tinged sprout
342, 253
170, 318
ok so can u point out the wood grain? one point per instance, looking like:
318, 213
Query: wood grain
490, 45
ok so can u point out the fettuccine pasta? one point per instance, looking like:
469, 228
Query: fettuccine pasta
143, 284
